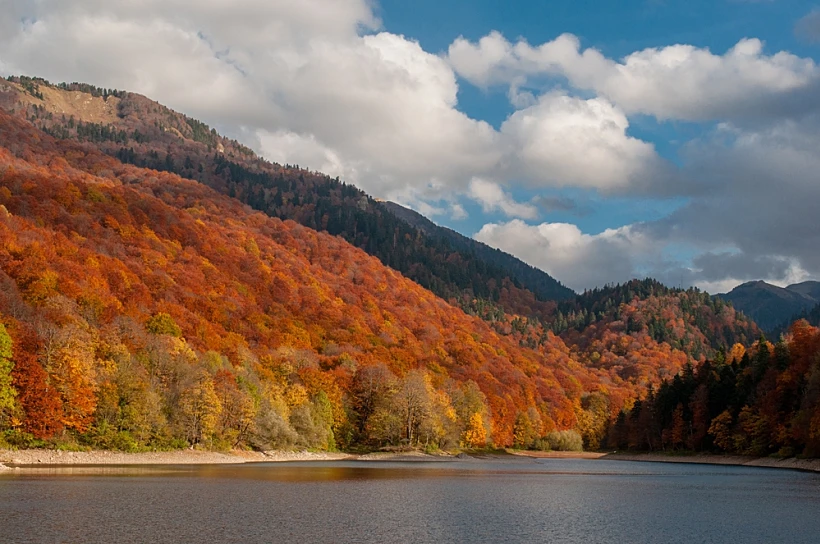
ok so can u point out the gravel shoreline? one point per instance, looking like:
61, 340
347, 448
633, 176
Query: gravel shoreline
38, 457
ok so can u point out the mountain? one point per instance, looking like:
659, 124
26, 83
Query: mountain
144, 133
810, 289
771, 306
147, 310
136, 273
813, 316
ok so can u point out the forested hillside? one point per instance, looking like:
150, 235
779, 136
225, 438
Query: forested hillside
632, 327
144, 308
139, 131
141, 309
689, 320
758, 402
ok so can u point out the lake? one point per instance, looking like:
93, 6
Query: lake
527, 500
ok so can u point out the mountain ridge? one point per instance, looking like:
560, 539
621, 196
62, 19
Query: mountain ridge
150, 135
164, 187
541, 283
772, 306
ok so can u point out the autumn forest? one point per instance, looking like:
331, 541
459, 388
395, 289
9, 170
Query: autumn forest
163, 287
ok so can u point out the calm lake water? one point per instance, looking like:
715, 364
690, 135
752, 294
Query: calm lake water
546, 500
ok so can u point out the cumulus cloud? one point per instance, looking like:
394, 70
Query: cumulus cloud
319, 83
567, 141
493, 198
715, 267
673, 82
579, 260
757, 218
457, 212
763, 197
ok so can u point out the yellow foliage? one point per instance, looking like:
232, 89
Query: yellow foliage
295, 395
736, 353
475, 436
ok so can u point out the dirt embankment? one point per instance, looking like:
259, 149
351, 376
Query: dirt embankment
812, 465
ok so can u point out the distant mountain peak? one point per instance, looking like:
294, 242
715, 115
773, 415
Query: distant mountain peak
771, 306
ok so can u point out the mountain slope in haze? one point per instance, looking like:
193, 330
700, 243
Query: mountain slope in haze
810, 289
147, 310
771, 306
813, 316
139, 131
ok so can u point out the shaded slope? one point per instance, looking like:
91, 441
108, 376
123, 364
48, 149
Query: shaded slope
544, 286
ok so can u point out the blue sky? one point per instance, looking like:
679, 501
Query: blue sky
597, 140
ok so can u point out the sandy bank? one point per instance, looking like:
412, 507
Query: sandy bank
792, 463
180, 457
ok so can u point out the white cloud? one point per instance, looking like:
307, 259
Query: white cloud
808, 28
674, 82
303, 81
457, 212
566, 141
578, 260
492, 198
760, 196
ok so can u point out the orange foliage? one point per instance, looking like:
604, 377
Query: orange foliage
95, 255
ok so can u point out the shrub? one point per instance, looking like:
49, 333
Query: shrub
565, 441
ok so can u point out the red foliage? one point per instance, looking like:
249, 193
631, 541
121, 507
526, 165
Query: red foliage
40, 401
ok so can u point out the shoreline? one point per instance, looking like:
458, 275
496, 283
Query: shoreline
40, 459
790, 463
35, 460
